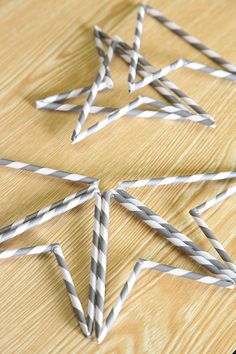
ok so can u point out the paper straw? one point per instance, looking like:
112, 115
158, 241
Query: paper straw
93, 92
189, 101
27, 251
217, 199
48, 171
221, 74
113, 314
38, 220
94, 263
102, 55
44, 210
124, 51
72, 94
190, 39
195, 213
213, 240
178, 179
136, 46
146, 114
71, 289
102, 263
57, 208
179, 63
157, 85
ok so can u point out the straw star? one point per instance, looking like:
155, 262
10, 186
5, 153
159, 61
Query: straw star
138, 64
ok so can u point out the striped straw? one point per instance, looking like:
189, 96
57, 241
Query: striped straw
71, 94
48, 171
93, 92
58, 208
190, 39
102, 55
217, 199
207, 231
20, 227
136, 47
71, 289
102, 263
170, 85
27, 251
222, 74
178, 179
44, 210
94, 263
49, 104
179, 63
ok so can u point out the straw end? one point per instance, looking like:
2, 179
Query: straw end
117, 38
109, 82
193, 212
74, 137
130, 87
39, 104
99, 340
97, 28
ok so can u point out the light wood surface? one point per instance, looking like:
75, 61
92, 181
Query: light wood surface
48, 47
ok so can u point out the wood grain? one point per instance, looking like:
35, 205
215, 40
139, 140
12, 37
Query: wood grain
48, 47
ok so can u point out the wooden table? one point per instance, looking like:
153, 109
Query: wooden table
48, 47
